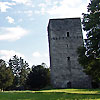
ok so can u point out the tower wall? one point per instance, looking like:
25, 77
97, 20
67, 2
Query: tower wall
65, 36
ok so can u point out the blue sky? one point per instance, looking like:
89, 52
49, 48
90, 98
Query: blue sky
23, 26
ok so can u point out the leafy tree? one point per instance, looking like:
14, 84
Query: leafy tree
24, 73
20, 70
89, 55
6, 76
91, 24
38, 77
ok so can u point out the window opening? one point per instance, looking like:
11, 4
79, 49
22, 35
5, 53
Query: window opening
68, 58
53, 38
67, 34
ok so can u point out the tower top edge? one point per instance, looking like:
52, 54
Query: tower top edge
65, 18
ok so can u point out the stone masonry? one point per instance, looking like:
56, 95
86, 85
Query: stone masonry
65, 36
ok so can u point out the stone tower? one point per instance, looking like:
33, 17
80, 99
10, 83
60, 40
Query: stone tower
65, 36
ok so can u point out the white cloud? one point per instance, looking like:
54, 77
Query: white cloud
12, 33
27, 12
5, 5
26, 2
10, 19
39, 58
64, 8
42, 5
36, 54
7, 54
72, 8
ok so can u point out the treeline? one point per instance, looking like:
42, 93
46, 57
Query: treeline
17, 75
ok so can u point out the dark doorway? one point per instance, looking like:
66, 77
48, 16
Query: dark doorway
69, 84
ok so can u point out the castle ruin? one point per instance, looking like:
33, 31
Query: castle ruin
65, 36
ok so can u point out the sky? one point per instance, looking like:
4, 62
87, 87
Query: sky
23, 26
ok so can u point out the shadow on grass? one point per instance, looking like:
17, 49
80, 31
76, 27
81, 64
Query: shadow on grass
47, 96
70, 96
67, 96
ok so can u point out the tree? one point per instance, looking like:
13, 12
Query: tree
89, 54
20, 70
6, 76
38, 77
24, 73
91, 24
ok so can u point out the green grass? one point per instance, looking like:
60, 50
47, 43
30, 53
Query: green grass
55, 94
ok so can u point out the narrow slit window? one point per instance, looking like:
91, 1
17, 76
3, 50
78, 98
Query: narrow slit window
67, 34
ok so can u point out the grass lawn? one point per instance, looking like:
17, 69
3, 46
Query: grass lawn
55, 94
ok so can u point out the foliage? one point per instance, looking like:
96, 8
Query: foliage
91, 23
91, 66
57, 94
89, 55
20, 70
38, 77
6, 76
